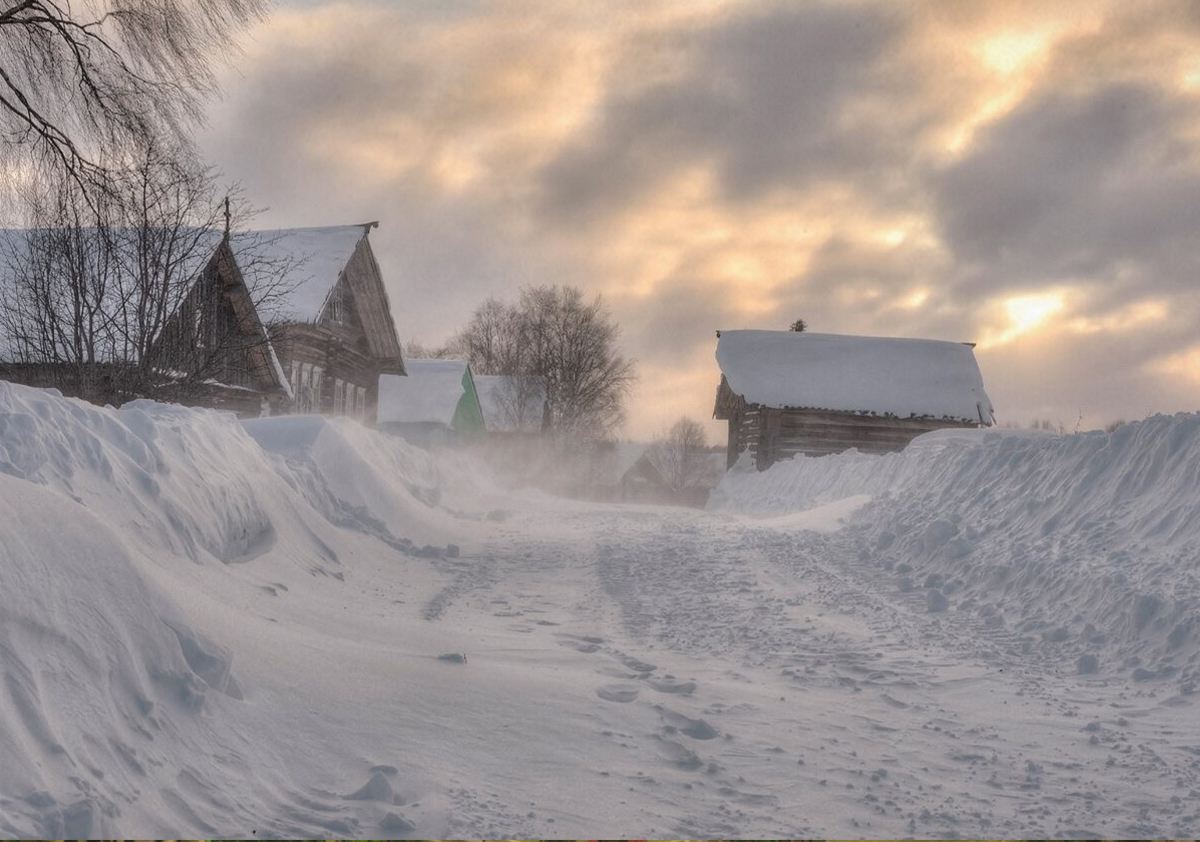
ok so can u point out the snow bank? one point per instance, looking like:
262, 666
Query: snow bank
136, 545
1087, 546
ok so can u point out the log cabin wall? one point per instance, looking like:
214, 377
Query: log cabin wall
772, 435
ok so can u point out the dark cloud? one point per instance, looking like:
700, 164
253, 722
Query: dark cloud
1085, 190
764, 99
1067, 184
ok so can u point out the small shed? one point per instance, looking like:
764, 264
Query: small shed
435, 404
786, 393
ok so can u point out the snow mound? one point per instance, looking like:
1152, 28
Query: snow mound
1085, 545
96, 664
356, 477
145, 553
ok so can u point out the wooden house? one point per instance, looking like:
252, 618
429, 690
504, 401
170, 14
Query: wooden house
334, 334
436, 403
330, 336
786, 393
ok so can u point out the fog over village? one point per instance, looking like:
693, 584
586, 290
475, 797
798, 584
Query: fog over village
642, 420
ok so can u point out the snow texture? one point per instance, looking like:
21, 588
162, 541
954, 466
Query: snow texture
297, 627
429, 394
864, 374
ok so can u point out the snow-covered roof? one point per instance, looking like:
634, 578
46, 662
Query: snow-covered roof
311, 261
429, 394
503, 399
865, 374
305, 263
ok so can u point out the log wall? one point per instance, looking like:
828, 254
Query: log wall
772, 435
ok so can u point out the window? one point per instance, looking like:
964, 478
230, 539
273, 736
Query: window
304, 392
360, 401
318, 386
339, 397
337, 303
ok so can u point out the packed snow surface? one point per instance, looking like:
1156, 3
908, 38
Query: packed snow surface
298, 627
429, 394
867, 374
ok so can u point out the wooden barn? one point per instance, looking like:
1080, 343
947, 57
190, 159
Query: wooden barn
330, 337
786, 393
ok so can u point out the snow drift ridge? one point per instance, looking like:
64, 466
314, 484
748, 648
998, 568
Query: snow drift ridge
1080, 546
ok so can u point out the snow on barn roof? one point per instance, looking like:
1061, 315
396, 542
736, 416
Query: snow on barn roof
306, 261
429, 394
864, 374
498, 398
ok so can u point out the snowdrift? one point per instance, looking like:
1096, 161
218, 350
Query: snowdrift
1085, 547
128, 599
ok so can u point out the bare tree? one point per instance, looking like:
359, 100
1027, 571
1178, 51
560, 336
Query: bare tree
680, 455
520, 400
58, 289
494, 341
565, 345
453, 350
119, 299
87, 79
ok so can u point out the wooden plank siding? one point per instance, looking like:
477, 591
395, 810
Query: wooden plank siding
771, 434
299, 343
365, 283
331, 359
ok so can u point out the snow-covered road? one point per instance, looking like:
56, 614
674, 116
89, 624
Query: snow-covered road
774, 682
300, 628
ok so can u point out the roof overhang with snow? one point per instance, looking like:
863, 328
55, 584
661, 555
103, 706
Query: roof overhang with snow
904, 378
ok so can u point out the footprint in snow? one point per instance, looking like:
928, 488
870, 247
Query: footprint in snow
677, 754
682, 688
636, 665
697, 729
617, 692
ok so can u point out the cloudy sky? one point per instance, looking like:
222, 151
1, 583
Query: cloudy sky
1021, 175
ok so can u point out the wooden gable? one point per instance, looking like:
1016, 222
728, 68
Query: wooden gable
216, 334
365, 295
